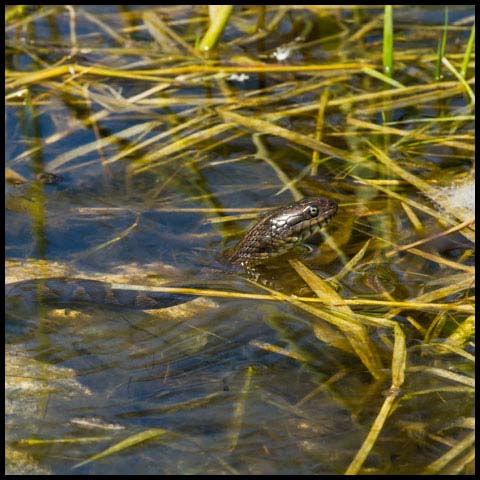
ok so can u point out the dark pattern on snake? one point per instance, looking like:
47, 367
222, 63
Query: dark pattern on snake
77, 291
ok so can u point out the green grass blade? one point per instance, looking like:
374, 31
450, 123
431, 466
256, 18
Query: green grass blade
219, 16
442, 46
468, 52
388, 41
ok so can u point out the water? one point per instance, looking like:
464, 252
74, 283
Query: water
130, 205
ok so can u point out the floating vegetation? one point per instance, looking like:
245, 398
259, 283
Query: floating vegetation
140, 143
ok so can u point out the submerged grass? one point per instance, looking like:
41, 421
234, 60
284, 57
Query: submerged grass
390, 177
128, 442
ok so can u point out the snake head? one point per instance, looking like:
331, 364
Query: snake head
281, 230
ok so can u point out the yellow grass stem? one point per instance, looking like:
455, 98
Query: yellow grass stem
19, 79
219, 15
398, 377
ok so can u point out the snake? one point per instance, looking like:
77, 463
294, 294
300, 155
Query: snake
281, 230
274, 234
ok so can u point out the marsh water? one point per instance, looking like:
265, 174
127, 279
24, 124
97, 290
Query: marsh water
110, 182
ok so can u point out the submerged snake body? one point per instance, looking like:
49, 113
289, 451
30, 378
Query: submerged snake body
274, 234
77, 291
281, 230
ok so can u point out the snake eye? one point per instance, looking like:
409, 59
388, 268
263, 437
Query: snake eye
313, 211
